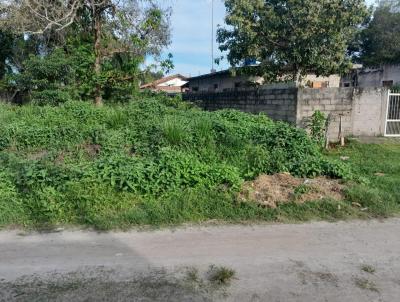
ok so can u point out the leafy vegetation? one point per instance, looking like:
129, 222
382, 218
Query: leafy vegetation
379, 42
290, 38
159, 161
318, 126
368, 269
221, 274
96, 48
378, 170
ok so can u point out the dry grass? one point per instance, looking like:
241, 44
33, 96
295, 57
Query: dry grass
221, 275
366, 284
368, 268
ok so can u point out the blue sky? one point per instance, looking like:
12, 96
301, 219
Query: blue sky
191, 35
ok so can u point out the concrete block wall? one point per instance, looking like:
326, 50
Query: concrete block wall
278, 104
369, 111
361, 111
336, 103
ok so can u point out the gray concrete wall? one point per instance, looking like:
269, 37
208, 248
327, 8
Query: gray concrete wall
360, 111
278, 104
369, 111
336, 103
370, 77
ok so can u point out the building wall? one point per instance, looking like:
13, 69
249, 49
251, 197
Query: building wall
369, 111
360, 112
225, 81
336, 103
332, 80
375, 77
177, 82
169, 89
278, 104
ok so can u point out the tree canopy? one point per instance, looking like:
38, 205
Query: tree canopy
290, 38
379, 42
110, 36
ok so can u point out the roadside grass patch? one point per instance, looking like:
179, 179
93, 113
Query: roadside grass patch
376, 185
192, 275
153, 161
368, 269
366, 284
221, 275
159, 161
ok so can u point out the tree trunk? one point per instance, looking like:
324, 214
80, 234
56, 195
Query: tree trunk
98, 98
297, 77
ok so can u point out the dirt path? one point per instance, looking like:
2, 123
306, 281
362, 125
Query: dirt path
355, 261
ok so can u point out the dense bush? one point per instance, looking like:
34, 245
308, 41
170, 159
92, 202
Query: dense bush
76, 163
47, 79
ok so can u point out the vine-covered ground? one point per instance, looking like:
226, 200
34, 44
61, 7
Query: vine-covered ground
158, 161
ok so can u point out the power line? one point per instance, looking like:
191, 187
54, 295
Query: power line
212, 36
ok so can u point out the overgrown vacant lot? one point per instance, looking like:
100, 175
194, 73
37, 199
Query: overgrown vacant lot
159, 161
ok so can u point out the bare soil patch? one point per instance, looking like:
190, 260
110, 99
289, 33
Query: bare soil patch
40, 154
92, 149
270, 190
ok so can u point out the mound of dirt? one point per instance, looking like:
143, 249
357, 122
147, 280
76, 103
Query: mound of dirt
270, 190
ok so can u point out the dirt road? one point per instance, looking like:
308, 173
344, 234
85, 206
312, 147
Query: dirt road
354, 261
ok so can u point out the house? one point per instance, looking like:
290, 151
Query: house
385, 75
224, 81
221, 81
171, 84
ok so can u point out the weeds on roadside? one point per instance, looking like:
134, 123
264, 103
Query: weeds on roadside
366, 284
148, 163
192, 275
368, 268
221, 275
144, 162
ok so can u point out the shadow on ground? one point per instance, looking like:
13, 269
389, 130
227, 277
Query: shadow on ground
100, 284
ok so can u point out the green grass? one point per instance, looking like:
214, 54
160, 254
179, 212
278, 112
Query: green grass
377, 168
221, 275
161, 162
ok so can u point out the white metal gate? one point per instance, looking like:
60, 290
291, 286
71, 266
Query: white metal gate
392, 125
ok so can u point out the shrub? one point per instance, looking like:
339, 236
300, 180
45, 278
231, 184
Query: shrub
156, 153
317, 126
174, 131
47, 78
11, 205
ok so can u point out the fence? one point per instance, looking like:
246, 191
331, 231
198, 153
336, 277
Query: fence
358, 112
392, 125
279, 104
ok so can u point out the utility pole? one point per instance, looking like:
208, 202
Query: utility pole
212, 36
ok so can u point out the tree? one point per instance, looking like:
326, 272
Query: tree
47, 79
130, 27
290, 38
379, 42
6, 42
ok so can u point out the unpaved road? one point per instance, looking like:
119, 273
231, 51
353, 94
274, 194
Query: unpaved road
308, 262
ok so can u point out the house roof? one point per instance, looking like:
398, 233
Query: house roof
208, 75
163, 80
228, 72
